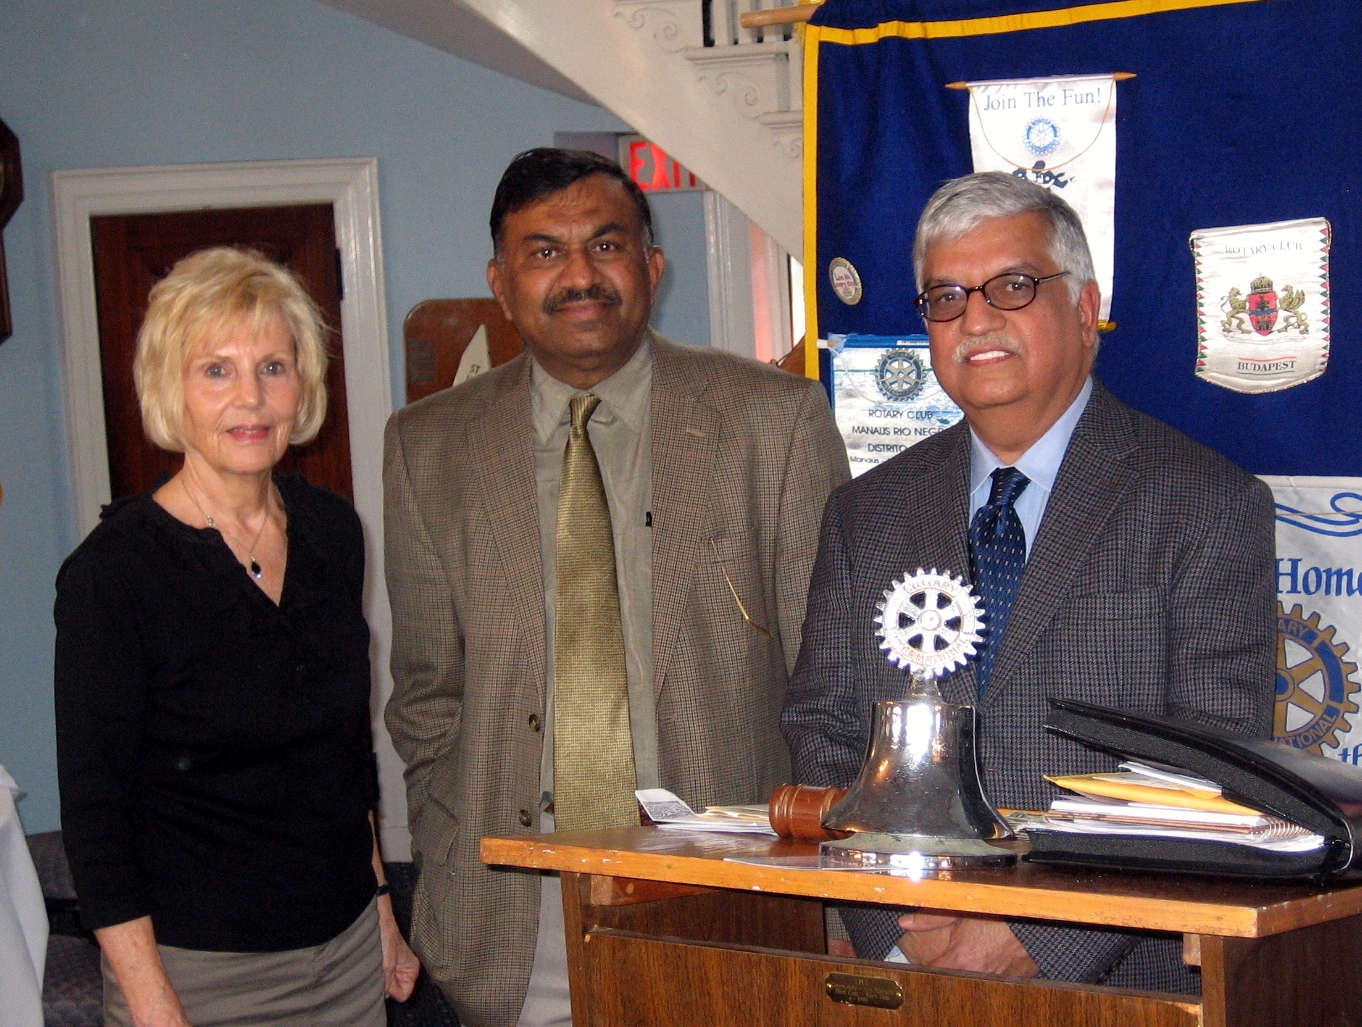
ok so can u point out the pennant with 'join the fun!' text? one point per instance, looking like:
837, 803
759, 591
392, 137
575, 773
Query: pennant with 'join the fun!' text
1059, 133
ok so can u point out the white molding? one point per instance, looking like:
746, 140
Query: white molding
755, 75
351, 186
787, 131
674, 25
770, 295
728, 263
749, 284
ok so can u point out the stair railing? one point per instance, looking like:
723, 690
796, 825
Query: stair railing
734, 22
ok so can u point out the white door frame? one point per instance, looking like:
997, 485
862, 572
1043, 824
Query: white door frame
749, 289
350, 185
728, 245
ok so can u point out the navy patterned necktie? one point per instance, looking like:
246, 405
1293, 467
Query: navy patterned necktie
997, 555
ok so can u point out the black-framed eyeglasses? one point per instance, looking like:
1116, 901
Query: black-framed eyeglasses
1011, 291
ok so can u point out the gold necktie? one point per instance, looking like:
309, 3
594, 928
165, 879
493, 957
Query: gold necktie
593, 751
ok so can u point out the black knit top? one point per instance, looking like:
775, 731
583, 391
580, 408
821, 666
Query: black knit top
213, 749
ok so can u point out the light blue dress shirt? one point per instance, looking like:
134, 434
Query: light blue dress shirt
1040, 463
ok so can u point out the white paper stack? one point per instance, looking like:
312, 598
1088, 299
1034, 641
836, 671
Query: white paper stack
666, 810
1163, 802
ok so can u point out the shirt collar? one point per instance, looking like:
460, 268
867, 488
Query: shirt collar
624, 395
1041, 462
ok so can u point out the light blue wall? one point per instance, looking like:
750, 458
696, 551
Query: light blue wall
137, 82
682, 312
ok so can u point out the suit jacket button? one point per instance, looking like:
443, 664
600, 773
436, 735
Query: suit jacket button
535, 722
525, 819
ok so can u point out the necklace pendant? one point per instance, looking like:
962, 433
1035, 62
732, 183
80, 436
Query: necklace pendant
256, 572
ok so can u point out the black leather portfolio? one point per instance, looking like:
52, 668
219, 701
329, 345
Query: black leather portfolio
1322, 795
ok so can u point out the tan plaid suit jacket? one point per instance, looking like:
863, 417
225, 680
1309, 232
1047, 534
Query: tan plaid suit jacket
743, 454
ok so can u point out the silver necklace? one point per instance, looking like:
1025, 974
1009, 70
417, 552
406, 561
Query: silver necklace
251, 561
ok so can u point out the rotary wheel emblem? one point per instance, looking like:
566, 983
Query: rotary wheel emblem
929, 623
900, 374
1041, 136
1314, 683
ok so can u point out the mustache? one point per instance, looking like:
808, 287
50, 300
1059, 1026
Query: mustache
599, 293
1000, 341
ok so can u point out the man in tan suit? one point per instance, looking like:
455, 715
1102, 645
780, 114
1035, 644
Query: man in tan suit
715, 470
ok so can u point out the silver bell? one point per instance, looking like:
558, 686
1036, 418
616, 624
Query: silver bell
918, 804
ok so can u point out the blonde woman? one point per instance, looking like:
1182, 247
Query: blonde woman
212, 687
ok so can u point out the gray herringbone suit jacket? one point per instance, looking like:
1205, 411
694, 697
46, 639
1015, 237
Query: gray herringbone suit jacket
742, 454
1149, 587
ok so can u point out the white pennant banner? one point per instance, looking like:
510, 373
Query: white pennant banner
1262, 295
1059, 133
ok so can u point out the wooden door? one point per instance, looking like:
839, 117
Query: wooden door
134, 251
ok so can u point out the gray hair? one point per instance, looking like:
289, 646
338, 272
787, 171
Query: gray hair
962, 204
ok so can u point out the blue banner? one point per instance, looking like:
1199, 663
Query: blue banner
1241, 113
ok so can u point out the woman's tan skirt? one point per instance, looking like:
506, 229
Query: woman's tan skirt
337, 983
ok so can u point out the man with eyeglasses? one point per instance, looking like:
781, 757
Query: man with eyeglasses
1120, 563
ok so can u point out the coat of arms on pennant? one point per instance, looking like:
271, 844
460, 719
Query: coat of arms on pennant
1262, 295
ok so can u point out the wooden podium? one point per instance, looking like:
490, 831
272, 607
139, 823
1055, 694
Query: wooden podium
662, 932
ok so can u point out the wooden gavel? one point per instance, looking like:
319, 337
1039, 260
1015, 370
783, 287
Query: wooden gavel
797, 811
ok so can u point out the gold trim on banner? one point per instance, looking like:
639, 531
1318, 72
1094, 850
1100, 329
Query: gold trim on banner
812, 33
1015, 22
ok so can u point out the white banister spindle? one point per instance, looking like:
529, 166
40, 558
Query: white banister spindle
723, 15
769, 34
725, 22
727, 27
755, 35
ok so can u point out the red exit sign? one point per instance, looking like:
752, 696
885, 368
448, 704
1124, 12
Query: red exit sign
652, 168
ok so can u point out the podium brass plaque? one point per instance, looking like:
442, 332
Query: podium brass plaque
856, 990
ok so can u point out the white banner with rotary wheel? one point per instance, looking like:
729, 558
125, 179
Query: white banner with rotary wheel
885, 396
1061, 134
1319, 614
